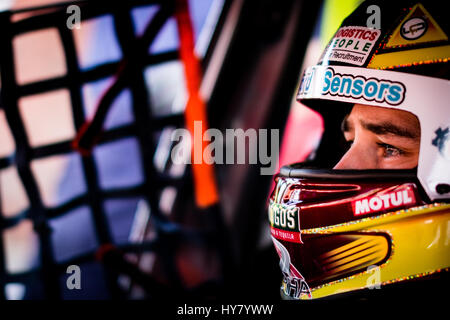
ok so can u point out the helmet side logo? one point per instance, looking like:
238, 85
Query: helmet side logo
413, 28
441, 141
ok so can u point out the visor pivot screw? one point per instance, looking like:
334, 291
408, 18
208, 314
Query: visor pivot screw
443, 188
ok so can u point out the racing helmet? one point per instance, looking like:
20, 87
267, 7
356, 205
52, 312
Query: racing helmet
347, 231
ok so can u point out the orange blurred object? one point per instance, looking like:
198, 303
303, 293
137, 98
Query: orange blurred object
206, 193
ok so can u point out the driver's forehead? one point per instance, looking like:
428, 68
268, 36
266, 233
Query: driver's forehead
363, 114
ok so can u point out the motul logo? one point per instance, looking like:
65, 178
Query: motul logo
384, 201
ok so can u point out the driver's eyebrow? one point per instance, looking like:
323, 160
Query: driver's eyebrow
385, 128
381, 128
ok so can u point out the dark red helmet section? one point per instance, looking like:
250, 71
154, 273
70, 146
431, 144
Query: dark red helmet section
306, 203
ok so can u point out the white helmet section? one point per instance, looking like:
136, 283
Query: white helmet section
428, 98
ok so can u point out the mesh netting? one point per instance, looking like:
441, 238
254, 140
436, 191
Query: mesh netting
145, 128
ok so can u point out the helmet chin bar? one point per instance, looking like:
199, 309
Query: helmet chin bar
337, 228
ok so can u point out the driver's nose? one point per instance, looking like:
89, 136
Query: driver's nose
358, 157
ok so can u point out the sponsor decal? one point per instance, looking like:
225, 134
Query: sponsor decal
294, 284
305, 84
441, 141
284, 222
347, 85
294, 195
351, 45
413, 28
382, 201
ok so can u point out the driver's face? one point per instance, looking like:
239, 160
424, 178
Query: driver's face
380, 138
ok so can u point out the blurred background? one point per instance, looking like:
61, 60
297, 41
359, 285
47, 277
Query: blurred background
123, 212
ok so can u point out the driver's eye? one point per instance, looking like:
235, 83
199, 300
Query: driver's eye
390, 151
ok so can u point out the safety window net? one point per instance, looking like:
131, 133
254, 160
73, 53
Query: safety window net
91, 93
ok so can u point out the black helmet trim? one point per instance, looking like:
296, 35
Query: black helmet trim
294, 172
